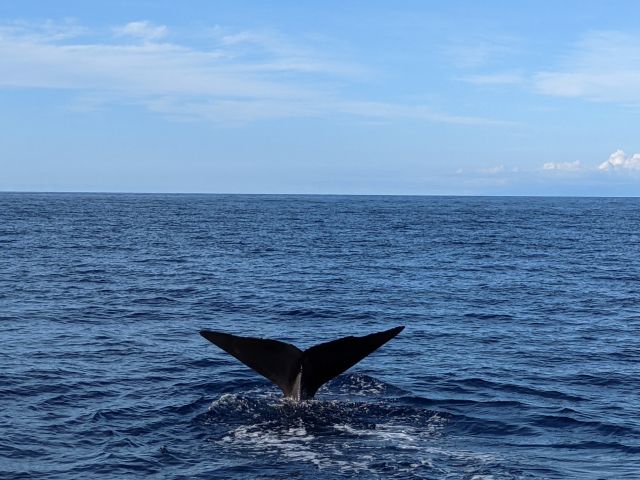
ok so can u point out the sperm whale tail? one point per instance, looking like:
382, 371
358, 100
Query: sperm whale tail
300, 374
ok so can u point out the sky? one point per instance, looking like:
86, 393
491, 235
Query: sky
334, 97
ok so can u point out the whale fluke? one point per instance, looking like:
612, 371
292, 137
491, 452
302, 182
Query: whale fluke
275, 360
300, 374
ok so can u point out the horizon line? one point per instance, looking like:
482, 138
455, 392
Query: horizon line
106, 192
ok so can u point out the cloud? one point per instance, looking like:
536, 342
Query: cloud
603, 66
480, 52
383, 110
562, 166
618, 175
495, 79
494, 170
619, 161
238, 78
142, 29
43, 31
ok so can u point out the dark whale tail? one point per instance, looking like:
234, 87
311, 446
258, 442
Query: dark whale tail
300, 374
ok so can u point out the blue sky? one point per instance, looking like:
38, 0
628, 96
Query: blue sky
362, 97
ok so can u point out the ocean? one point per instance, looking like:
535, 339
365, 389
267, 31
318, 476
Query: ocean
519, 360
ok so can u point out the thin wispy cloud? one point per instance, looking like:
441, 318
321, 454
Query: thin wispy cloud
480, 52
494, 170
603, 66
142, 29
238, 78
507, 78
382, 110
563, 166
47, 31
149, 68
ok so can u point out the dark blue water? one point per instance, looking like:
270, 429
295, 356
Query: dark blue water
520, 357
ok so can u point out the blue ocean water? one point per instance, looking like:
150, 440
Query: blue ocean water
519, 358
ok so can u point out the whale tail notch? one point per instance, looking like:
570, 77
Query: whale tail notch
299, 374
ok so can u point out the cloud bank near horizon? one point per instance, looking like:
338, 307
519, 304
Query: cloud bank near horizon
618, 160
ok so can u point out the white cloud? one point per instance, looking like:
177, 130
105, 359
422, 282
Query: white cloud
618, 160
142, 29
239, 78
44, 31
480, 52
495, 79
494, 170
562, 166
384, 110
603, 66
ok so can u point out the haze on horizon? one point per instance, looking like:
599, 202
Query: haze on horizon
409, 97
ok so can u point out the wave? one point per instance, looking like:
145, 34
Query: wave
587, 445
564, 422
515, 388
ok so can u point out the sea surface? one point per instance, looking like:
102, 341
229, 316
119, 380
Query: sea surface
520, 358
